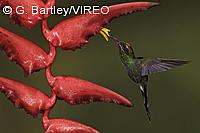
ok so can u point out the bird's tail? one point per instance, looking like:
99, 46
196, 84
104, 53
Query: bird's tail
143, 89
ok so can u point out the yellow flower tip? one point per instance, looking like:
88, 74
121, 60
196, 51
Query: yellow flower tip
105, 33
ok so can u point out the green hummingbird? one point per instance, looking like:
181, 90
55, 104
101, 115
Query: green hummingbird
139, 68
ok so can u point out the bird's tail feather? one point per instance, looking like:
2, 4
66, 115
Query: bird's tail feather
143, 88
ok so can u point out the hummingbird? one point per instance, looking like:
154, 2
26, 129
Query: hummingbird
139, 68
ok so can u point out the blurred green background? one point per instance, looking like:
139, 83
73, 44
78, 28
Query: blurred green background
169, 30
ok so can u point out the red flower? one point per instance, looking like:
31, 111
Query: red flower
26, 53
27, 97
75, 32
78, 91
64, 126
70, 35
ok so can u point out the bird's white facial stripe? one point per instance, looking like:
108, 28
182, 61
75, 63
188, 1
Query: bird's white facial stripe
121, 47
127, 46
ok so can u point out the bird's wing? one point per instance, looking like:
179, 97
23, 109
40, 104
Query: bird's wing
154, 65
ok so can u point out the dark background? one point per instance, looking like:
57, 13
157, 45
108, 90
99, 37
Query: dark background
170, 30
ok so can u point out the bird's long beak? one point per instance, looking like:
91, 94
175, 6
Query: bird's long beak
117, 41
105, 33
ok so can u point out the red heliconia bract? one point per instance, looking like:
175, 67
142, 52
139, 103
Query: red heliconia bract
77, 91
27, 97
64, 126
27, 18
26, 53
74, 32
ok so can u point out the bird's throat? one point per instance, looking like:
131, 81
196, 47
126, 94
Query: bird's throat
127, 60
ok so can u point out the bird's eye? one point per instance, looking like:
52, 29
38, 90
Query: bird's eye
126, 49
